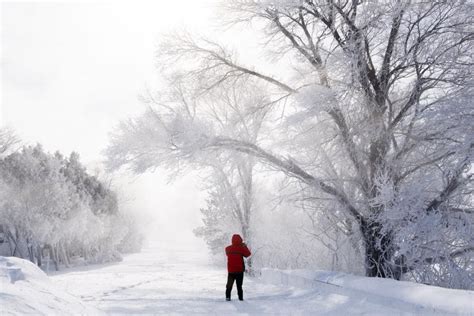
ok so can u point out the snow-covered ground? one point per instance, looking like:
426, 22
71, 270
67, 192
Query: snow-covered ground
167, 280
164, 279
25, 289
422, 297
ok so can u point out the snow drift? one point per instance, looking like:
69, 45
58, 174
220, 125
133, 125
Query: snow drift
447, 300
26, 289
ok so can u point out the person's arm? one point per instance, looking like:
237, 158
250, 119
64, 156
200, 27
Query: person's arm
245, 250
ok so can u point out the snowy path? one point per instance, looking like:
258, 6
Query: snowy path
164, 281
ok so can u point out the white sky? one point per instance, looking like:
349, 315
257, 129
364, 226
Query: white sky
72, 70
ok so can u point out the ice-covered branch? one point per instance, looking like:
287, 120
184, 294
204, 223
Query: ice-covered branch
214, 57
288, 166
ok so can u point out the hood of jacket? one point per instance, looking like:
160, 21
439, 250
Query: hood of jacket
236, 240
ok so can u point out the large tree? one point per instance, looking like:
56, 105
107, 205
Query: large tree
376, 110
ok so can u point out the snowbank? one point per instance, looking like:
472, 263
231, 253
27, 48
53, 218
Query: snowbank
447, 300
26, 289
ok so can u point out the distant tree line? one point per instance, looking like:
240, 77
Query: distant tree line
53, 211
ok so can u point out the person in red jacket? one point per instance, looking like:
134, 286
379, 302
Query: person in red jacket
235, 265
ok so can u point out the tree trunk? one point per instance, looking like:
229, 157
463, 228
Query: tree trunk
17, 244
246, 236
379, 250
31, 250
63, 255
86, 254
12, 243
55, 257
39, 255
67, 261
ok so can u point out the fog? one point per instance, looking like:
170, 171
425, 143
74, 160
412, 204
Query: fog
72, 71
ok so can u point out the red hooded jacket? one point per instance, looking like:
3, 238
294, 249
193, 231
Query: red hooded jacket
235, 254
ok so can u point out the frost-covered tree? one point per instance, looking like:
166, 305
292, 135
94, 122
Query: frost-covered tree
50, 206
376, 122
230, 204
102, 200
240, 112
8, 141
39, 201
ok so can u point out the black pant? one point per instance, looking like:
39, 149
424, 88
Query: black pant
239, 277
